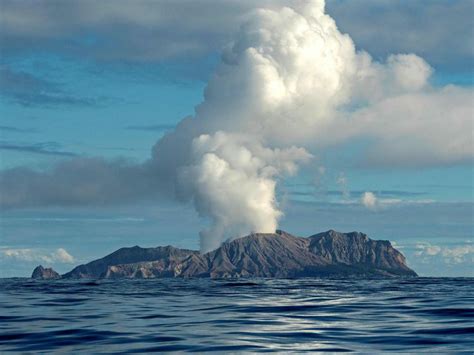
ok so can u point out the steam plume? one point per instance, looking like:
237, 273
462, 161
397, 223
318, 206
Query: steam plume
289, 77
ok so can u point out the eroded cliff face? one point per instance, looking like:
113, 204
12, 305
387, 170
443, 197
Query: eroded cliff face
278, 255
164, 260
356, 249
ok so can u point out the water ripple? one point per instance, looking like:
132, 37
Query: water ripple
331, 315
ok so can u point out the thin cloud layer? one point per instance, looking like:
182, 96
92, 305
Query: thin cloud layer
108, 30
11, 129
77, 182
28, 90
439, 31
60, 255
152, 128
44, 148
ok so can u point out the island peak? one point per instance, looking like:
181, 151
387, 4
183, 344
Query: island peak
272, 255
41, 273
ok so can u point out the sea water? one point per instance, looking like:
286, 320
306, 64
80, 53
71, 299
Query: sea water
133, 316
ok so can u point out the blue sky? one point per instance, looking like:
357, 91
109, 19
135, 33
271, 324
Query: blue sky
88, 86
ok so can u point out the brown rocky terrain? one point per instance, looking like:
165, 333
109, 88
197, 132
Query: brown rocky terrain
278, 255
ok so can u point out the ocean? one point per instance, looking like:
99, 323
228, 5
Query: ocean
201, 315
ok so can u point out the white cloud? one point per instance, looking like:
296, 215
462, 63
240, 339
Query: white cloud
410, 71
427, 249
459, 254
369, 200
60, 255
290, 77
429, 127
450, 255
63, 256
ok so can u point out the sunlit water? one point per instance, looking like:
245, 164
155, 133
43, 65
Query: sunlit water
410, 315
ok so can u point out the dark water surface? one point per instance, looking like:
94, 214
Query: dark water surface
410, 315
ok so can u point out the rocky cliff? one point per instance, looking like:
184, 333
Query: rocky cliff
42, 273
164, 259
279, 255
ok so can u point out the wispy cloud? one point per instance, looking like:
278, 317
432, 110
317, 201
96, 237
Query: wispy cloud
12, 129
81, 219
44, 148
372, 200
60, 255
309, 191
154, 128
29, 90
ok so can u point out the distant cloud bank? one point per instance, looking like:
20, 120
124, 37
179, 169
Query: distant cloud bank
60, 255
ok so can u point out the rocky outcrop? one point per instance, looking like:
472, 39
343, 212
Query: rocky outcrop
164, 259
41, 273
279, 255
357, 251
